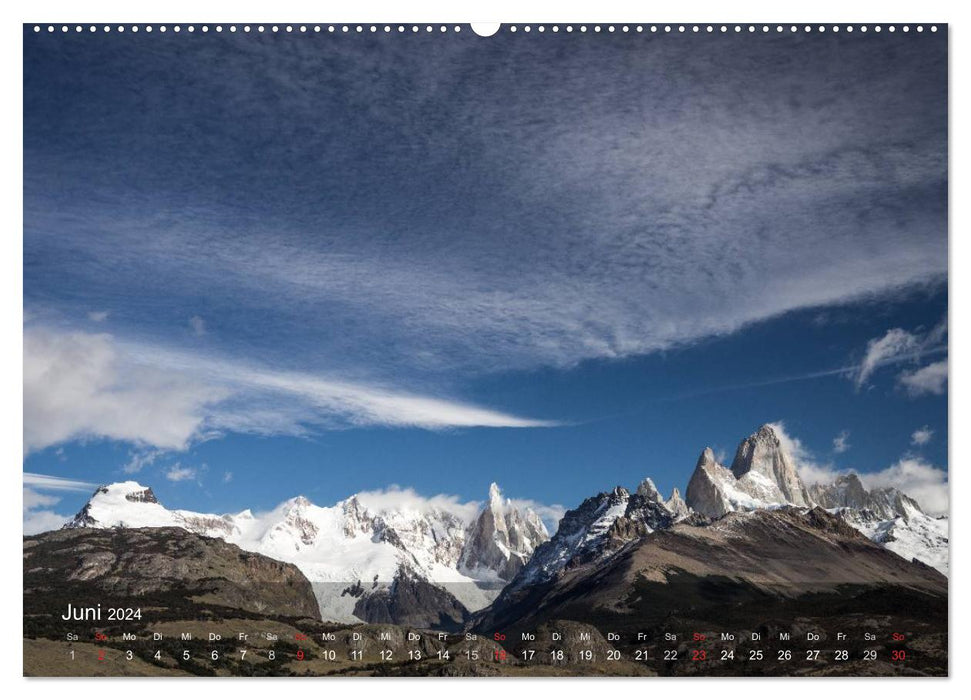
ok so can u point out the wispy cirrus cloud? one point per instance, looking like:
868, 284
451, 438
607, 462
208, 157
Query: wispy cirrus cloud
894, 346
140, 458
41, 493
55, 483
81, 385
522, 239
898, 346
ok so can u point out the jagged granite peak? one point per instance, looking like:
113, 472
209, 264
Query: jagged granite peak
676, 506
646, 511
595, 530
763, 452
648, 490
762, 475
502, 538
709, 487
581, 532
848, 491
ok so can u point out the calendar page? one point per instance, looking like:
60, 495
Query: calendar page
463, 350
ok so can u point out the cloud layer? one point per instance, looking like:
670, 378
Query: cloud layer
453, 209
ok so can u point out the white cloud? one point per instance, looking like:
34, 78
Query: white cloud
37, 521
918, 479
37, 516
81, 385
538, 267
893, 345
56, 483
810, 471
227, 477
198, 325
841, 443
550, 514
896, 346
930, 379
922, 436
98, 316
397, 498
915, 477
33, 499
139, 459
177, 472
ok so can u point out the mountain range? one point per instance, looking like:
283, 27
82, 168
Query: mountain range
763, 475
432, 567
424, 566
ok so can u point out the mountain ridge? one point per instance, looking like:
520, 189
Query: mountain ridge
763, 475
351, 552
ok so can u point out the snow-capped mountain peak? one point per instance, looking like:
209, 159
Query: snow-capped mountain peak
598, 527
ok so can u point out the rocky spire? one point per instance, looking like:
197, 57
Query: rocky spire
676, 506
763, 453
502, 537
709, 486
648, 490
847, 491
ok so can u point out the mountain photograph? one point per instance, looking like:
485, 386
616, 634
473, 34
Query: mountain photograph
573, 350
750, 546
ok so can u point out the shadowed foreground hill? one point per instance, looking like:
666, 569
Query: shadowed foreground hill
158, 567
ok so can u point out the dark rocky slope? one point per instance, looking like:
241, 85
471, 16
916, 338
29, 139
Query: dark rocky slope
741, 567
167, 566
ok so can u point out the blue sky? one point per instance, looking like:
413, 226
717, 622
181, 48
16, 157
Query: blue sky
263, 265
